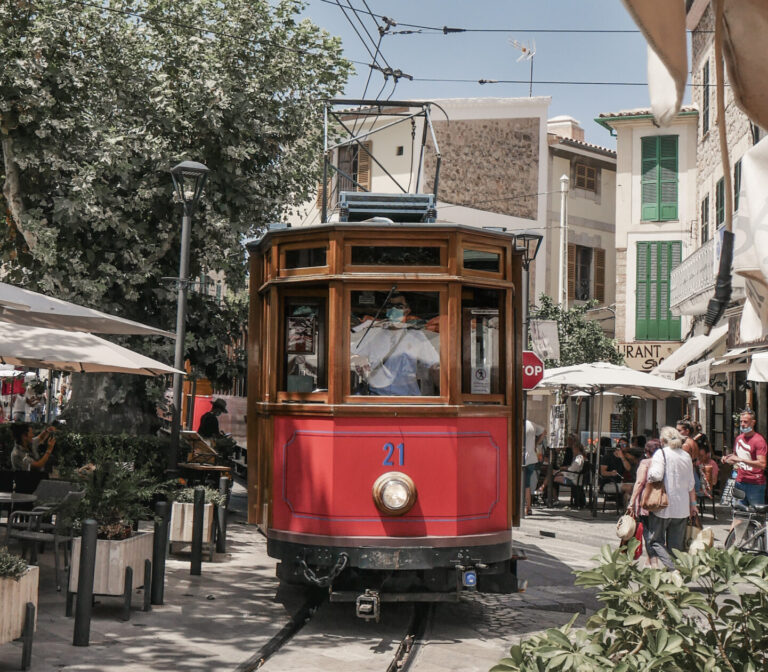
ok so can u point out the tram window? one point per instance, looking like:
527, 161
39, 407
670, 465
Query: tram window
306, 257
387, 255
479, 260
305, 347
395, 343
481, 342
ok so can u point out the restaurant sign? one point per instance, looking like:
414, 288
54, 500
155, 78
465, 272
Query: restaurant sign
647, 355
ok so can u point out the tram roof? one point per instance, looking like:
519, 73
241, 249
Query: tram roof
375, 226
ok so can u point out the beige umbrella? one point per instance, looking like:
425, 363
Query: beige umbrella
24, 307
35, 347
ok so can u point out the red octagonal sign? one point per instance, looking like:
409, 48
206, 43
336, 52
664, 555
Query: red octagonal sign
533, 370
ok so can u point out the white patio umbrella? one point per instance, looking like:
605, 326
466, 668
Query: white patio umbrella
74, 351
601, 377
24, 307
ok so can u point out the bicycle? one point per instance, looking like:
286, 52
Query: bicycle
754, 537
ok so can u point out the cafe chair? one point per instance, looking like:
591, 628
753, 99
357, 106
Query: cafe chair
48, 524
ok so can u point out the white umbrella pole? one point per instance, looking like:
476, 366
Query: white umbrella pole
593, 486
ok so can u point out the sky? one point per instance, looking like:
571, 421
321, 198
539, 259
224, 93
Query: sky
560, 56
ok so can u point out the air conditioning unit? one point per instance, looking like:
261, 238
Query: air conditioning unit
357, 206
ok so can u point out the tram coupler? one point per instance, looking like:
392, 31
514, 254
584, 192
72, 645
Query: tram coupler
368, 605
466, 576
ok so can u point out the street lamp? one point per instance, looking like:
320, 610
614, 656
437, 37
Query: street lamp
189, 178
528, 244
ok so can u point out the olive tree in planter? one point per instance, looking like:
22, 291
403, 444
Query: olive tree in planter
18, 601
116, 494
182, 514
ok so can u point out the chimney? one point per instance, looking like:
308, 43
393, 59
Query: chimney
566, 127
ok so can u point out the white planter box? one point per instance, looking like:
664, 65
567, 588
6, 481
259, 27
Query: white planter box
112, 558
182, 515
14, 596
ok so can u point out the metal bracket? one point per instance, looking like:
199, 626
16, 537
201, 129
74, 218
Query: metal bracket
368, 605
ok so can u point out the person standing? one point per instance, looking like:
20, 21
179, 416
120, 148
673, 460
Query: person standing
672, 465
25, 455
749, 456
635, 501
533, 436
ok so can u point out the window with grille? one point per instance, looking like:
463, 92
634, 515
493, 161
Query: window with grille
705, 219
659, 178
653, 319
585, 177
705, 98
720, 202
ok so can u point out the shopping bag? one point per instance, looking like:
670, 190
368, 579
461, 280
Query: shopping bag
639, 536
692, 528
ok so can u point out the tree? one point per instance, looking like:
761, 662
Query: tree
581, 340
99, 99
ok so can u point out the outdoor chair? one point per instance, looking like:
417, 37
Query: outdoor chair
578, 497
49, 524
617, 495
702, 503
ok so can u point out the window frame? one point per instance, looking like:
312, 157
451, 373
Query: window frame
357, 241
652, 159
720, 203
480, 247
704, 220
705, 98
493, 398
586, 177
736, 184
304, 270
300, 293
673, 322
380, 400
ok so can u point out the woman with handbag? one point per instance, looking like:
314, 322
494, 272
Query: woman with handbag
635, 502
670, 478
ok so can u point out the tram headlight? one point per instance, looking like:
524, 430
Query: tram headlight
394, 493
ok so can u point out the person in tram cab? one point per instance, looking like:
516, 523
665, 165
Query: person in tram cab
397, 354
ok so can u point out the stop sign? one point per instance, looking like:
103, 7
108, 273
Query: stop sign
533, 370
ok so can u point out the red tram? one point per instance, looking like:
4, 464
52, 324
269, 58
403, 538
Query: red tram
384, 381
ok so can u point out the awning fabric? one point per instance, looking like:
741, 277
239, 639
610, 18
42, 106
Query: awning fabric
758, 368
691, 350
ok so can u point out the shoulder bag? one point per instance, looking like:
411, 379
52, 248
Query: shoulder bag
655, 494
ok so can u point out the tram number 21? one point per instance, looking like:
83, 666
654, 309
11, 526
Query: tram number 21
390, 449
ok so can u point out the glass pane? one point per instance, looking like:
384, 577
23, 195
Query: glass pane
305, 258
395, 256
477, 260
304, 345
395, 343
481, 341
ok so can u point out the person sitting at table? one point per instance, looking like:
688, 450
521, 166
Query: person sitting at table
25, 455
569, 474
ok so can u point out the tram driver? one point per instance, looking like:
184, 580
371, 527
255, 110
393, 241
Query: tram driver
397, 355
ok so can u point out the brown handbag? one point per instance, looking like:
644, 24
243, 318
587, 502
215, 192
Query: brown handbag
654, 493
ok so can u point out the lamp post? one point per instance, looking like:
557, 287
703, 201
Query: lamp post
189, 178
528, 244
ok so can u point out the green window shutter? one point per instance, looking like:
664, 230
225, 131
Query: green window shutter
649, 180
668, 177
653, 319
720, 202
641, 307
736, 184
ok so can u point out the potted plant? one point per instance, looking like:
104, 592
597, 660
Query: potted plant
18, 588
117, 493
182, 513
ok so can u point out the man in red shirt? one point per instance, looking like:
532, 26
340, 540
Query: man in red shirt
749, 455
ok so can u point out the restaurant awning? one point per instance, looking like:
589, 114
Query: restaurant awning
758, 368
694, 348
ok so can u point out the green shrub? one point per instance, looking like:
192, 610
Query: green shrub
187, 496
709, 615
11, 566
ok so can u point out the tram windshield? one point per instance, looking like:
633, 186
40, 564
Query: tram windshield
395, 343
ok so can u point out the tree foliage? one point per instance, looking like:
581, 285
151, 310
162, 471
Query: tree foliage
97, 102
581, 340
711, 614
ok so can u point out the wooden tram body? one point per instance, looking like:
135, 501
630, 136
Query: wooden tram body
333, 410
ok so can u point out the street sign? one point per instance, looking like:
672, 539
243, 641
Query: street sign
533, 370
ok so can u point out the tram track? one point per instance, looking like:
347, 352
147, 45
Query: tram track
374, 640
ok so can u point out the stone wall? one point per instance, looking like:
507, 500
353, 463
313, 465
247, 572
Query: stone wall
736, 122
490, 164
621, 294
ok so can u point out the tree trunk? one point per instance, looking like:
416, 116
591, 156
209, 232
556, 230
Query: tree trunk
12, 188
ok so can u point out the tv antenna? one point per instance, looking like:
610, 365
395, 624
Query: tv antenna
527, 52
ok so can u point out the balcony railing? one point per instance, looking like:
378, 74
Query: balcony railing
692, 283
